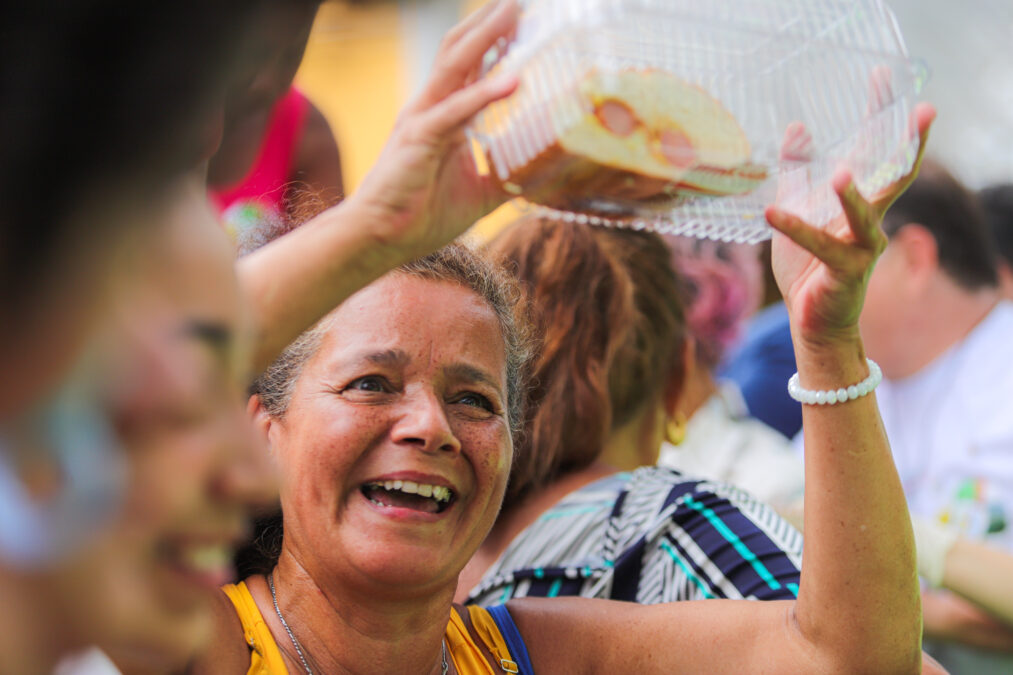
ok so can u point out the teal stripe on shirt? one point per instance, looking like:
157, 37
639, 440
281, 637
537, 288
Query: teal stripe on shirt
736, 543
689, 572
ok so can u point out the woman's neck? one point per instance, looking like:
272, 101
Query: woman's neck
341, 629
699, 385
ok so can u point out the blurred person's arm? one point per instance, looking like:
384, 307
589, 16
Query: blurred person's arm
950, 618
423, 192
981, 574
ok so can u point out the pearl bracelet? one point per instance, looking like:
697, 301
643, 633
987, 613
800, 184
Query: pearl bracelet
832, 396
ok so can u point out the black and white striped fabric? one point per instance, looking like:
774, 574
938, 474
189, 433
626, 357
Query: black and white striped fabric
649, 536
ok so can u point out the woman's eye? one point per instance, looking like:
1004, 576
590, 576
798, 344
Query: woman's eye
476, 401
369, 383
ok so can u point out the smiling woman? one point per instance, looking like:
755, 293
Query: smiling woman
369, 373
414, 383
432, 376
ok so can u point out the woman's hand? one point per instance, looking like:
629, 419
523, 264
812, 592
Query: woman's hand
823, 272
424, 189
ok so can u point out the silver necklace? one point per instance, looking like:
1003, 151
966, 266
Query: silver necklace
298, 648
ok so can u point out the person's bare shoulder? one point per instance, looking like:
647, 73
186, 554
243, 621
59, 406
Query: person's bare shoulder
227, 651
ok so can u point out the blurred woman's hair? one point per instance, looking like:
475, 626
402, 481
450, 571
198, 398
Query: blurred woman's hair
607, 310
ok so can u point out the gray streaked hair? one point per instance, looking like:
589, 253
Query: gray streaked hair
455, 263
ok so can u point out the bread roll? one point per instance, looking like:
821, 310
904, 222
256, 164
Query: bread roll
647, 139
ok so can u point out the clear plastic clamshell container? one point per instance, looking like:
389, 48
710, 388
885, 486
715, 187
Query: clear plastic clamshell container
673, 115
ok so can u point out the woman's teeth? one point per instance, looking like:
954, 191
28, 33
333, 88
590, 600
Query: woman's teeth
409, 494
437, 492
206, 559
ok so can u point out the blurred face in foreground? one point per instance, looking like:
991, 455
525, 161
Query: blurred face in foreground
395, 448
177, 367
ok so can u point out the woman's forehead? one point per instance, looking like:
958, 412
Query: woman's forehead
400, 296
413, 317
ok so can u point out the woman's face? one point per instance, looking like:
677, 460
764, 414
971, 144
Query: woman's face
395, 448
193, 471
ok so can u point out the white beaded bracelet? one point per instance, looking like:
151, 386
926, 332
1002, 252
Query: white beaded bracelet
832, 396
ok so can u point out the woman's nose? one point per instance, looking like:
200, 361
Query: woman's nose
426, 425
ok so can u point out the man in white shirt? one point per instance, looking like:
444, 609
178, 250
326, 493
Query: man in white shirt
935, 322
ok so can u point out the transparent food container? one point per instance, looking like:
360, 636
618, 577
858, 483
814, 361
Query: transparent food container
672, 115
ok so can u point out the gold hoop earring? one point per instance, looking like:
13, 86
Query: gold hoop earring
675, 429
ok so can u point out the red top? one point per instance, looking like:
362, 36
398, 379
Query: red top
264, 185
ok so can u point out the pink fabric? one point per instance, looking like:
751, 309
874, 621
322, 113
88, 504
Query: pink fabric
265, 183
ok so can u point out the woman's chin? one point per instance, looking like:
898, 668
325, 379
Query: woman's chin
408, 568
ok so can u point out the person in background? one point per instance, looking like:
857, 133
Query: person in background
981, 574
760, 365
722, 441
587, 512
997, 203
297, 161
934, 319
277, 148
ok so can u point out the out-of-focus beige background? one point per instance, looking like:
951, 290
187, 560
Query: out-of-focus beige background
363, 63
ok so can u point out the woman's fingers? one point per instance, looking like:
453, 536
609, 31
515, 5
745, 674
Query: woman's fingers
828, 248
460, 57
449, 115
881, 92
797, 144
860, 215
468, 23
921, 122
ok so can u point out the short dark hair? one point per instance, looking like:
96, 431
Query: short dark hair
997, 205
937, 201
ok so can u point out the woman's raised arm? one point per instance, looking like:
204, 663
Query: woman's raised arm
423, 191
859, 594
858, 606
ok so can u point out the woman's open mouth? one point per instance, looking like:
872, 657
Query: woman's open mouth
406, 494
204, 563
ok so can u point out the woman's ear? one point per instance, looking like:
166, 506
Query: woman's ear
263, 423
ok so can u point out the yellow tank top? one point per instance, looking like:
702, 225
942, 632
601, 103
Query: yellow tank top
463, 650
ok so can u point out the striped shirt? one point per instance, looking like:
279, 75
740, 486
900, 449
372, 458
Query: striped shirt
649, 536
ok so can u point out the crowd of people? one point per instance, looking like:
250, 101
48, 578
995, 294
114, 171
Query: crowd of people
436, 442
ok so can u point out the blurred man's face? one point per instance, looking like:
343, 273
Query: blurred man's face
880, 323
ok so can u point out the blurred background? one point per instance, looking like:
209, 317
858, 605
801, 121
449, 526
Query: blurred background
363, 63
